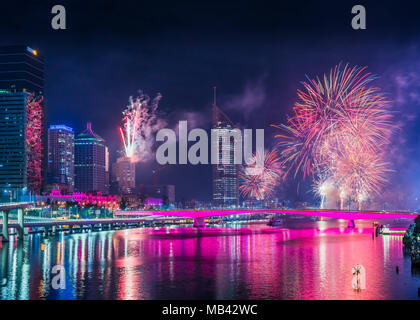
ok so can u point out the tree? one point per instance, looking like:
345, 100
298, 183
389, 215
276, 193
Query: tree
417, 222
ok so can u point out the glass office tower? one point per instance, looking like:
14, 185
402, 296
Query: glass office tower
22, 120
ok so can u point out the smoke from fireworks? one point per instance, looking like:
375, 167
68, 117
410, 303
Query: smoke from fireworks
140, 122
262, 185
338, 133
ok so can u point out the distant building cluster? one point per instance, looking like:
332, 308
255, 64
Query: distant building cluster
36, 159
90, 162
22, 121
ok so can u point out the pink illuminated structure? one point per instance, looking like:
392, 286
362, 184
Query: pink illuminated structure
82, 199
34, 141
199, 215
153, 202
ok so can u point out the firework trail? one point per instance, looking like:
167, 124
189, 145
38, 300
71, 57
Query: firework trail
341, 124
262, 185
140, 122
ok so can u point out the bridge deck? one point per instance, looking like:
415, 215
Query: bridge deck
76, 222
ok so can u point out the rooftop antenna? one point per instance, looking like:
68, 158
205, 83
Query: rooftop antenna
214, 95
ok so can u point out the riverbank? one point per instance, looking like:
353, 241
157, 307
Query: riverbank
411, 242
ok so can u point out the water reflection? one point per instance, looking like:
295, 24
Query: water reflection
300, 261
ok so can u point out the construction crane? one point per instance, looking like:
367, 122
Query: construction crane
155, 173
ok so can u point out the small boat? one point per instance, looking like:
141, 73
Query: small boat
219, 222
275, 222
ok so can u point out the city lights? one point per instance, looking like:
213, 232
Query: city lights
243, 152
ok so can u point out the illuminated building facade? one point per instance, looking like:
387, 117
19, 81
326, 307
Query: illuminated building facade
89, 162
124, 175
13, 163
22, 119
167, 192
61, 157
21, 70
225, 176
153, 202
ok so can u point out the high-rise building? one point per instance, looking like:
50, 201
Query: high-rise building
21, 70
22, 119
89, 161
225, 175
124, 175
61, 157
13, 158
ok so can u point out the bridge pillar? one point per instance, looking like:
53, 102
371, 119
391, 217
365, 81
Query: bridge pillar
199, 223
351, 224
20, 229
5, 230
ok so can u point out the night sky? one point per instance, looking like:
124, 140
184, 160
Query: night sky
255, 52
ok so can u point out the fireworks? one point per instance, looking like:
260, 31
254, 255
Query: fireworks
261, 185
140, 121
338, 132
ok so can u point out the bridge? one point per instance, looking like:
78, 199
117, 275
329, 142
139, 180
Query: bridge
200, 215
127, 218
